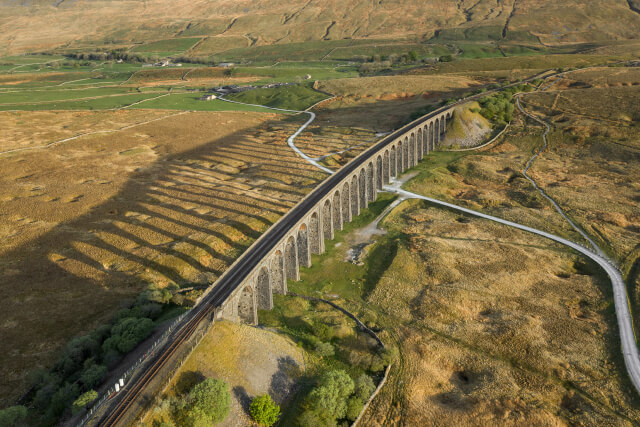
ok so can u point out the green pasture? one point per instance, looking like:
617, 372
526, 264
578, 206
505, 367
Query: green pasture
168, 46
105, 103
191, 101
296, 97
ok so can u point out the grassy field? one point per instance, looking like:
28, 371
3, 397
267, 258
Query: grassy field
166, 47
296, 97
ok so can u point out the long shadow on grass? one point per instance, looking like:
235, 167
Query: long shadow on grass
177, 222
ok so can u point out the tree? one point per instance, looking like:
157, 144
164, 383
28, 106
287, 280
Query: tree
208, 402
364, 387
264, 410
12, 415
412, 55
324, 349
83, 400
354, 407
332, 393
92, 374
127, 333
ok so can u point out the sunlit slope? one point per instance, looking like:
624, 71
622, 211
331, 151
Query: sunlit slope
227, 24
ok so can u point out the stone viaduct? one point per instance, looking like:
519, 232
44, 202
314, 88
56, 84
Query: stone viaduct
385, 160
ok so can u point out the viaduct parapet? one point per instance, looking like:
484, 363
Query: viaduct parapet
326, 210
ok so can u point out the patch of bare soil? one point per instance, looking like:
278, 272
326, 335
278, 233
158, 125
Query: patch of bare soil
252, 361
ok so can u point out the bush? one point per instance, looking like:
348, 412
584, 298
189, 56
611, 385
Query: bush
92, 374
445, 58
127, 333
12, 415
354, 407
323, 331
364, 387
61, 400
264, 410
324, 349
81, 402
330, 397
208, 402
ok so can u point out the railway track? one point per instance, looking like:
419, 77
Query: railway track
128, 398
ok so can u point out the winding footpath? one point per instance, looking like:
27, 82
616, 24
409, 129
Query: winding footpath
623, 311
541, 191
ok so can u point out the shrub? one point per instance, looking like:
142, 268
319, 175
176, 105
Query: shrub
208, 402
92, 374
324, 349
127, 333
81, 402
354, 407
264, 410
315, 418
364, 387
323, 331
332, 392
446, 58
12, 415
61, 400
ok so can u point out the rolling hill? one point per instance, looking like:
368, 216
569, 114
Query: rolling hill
214, 26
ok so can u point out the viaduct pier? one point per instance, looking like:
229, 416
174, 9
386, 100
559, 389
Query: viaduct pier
315, 219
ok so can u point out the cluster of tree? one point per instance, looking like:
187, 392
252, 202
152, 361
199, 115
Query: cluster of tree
264, 411
499, 107
376, 63
206, 403
13, 415
120, 54
336, 397
85, 360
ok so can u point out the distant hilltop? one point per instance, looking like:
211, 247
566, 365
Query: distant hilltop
219, 25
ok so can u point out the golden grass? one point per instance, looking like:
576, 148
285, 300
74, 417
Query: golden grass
484, 340
89, 223
252, 361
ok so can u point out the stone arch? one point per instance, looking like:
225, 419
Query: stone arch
264, 293
430, 133
346, 203
443, 126
363, 189
278, 282
412, 150
419, 152
425, 140
355, 205
337, 211
405, 154
371, 183
385, 167
291, 260
399, 158
315, 243
392, 162
247, 306
436, 133
304, 257
379, 173
327, 220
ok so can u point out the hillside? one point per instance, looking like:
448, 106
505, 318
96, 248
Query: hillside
220, 25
